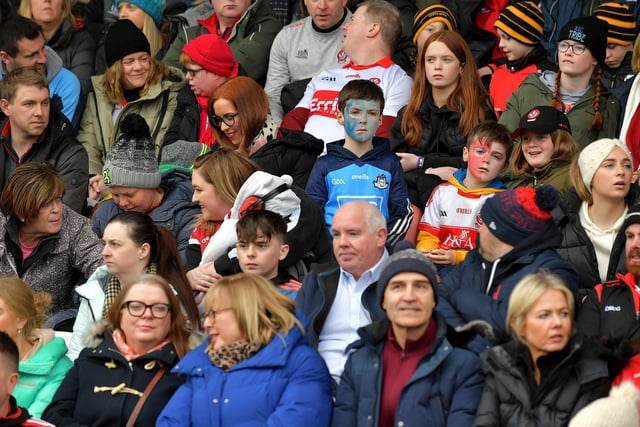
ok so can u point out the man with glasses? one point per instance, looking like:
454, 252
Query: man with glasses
22, 44
208, 62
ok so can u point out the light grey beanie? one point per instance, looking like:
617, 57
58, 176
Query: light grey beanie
132, 161
593, 155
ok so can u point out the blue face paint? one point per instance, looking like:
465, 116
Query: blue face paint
361, 119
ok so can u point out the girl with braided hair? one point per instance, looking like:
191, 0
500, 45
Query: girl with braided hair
575, 89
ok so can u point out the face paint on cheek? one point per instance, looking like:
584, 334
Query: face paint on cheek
477, 161
358, 124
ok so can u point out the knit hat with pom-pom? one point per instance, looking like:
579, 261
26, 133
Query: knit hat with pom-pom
620, 409
132, 162
514, 215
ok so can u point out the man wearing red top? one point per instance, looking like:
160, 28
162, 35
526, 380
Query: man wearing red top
369, 40
404, 370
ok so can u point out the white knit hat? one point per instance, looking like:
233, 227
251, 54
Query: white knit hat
620, 409
593, 155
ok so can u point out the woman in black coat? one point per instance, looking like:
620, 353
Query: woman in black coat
542, 377
145, 338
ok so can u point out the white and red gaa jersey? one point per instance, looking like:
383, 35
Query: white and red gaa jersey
321, 95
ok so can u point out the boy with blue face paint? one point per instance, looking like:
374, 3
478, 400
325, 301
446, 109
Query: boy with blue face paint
362, 166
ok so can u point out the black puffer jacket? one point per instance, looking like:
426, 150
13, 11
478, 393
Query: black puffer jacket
294, 154
576, 246
570, 379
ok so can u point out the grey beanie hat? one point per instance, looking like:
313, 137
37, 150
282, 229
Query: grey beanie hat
132, 162
404, 261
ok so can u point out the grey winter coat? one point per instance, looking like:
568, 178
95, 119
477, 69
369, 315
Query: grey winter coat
56, 261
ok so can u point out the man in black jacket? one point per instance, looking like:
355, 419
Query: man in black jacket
34, 131
612, 309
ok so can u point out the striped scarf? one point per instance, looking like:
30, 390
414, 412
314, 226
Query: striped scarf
113, 289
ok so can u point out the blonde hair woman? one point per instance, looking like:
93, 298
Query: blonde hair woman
43, 364
542, 376
256, 362
71, 42
134, 82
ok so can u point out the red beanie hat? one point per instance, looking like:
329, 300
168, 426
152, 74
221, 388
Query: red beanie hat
213, 54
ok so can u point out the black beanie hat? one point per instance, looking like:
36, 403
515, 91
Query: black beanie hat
124, 38
591, 32
632, 217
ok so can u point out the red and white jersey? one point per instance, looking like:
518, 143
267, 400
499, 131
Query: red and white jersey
454, 215
321, 95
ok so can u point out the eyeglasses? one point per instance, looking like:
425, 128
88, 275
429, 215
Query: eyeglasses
130, 61
211, 315
137, 309
193, 72
227, 119
578, 49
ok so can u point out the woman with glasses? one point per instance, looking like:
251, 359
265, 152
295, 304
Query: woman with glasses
133, 245
255, 368
43, 241
575, 89
134, 82
239, 116
240, 120
124, 376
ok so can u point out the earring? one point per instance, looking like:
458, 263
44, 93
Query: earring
19, 331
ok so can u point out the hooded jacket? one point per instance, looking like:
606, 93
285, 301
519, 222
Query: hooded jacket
54, 265
64, 87
66, 155
376, 177
444, 390
570, 380
576, 246
250, 40
98, 130
176, 211
479, 290
42, 373
538, 90
284, 383
103, 387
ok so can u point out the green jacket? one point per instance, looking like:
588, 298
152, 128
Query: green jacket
533, 92
98, 131
555, 173
250, 40
42, 373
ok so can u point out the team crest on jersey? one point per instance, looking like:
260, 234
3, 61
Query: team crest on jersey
341, 57
375, 80
478, 221
381, 182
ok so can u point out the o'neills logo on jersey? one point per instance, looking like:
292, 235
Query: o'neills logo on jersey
324, 103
